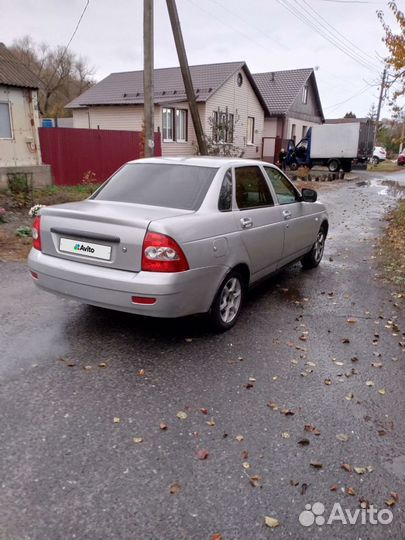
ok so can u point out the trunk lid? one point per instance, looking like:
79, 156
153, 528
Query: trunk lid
101, 233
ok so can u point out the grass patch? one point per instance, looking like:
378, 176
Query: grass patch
384, 166
391, 246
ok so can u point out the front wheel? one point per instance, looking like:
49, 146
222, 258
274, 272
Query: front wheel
375, 160
314, 257
228, 301
293, 166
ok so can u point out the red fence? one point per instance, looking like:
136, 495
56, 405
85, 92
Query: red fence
73, 152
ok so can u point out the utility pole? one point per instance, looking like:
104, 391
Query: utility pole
380, 100
185, 72
148, 105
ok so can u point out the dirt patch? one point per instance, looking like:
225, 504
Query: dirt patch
391, 247
14, 248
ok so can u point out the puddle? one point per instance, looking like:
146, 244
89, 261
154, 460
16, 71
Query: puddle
389, 188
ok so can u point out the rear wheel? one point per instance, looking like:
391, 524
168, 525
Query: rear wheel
293, 166
314, 257
228, 301
334, 165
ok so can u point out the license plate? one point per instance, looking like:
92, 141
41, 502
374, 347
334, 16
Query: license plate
87, 249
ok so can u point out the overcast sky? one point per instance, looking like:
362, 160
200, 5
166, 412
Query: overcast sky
264, 33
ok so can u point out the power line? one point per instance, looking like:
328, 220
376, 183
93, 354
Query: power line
367, 57
324, 32
359, 93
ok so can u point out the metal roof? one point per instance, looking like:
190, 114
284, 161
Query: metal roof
14, 73
126, 88
280, 88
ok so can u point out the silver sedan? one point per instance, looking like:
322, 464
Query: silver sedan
168, 237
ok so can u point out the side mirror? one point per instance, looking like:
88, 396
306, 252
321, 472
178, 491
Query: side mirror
309, 195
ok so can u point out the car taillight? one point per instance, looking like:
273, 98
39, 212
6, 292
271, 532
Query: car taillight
160, 253
36, 233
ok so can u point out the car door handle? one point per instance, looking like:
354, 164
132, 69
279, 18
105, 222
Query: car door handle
286, 214
246, 222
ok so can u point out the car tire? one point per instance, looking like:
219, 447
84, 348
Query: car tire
293, 166
334, 165
314, 257
375, 160
228, 301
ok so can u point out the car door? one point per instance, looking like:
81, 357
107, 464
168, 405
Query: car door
258, 219
301, 219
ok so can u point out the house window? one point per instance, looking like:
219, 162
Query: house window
304, 131
305, 94
222, 127
168, 124
293, 132
250, 130
181, 125
5, 121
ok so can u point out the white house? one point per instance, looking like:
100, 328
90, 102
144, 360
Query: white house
19, 120
222, 90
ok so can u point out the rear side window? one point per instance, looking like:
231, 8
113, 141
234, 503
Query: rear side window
285, 191
225, 195
251, 188
158, 184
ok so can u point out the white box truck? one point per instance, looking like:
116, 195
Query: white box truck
332, 145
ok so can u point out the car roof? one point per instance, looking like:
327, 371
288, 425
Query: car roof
201, 161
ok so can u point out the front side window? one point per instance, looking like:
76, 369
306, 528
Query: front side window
5, 121
181, 125
158, 184
250, 130
285, 191
251, 188
225, 195
168, 124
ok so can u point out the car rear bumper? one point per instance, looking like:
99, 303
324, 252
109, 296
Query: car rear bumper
177, 294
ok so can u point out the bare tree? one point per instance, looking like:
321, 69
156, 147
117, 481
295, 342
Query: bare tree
62, 73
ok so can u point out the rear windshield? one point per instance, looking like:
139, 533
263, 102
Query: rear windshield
158, 184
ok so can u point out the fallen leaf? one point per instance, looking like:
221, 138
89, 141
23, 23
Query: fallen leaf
141, 372
364, 503
304, 488
71, 364
312, 429
244, 454
382, 391
252, 379
370, 383
162, 426
342, 437
116, 420
181, 415
255, 480
303, 442
216, 536
287, 412
376, 364
339, 363
202, 454
351, 320
312, 364
102, 365
137, 440
349, 397
316, 464
271, 522
360, 470
211, 422
204, 410
246, 465
87, 368
272, 405
188, 339
239, 438
175, 489
350, 491
327, 382
345, 340
249, 385
354, 359
285, 435
391, 501
333, 487
347, 467
303, 337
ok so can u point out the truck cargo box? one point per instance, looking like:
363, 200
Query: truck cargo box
335, 140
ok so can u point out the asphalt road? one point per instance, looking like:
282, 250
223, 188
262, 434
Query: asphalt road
69, 471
